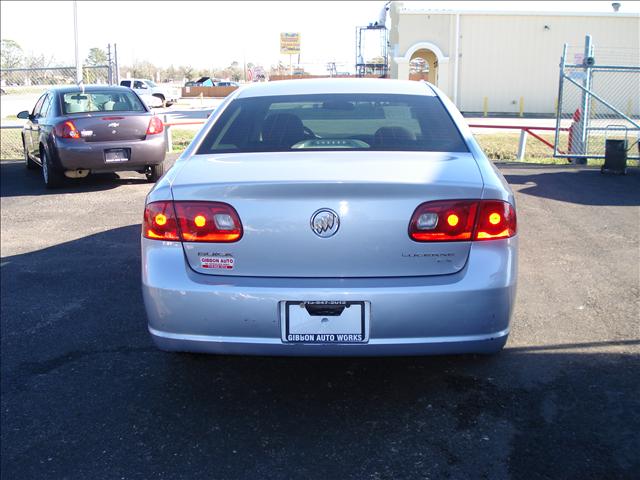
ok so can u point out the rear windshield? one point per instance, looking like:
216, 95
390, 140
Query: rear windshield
334, 122
101, 101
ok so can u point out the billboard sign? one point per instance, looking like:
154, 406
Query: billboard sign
289, 43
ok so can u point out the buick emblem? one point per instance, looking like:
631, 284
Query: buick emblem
325, 223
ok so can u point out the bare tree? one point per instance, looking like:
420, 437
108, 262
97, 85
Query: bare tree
187, 72
11, 54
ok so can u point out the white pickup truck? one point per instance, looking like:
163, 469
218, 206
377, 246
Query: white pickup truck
167, 95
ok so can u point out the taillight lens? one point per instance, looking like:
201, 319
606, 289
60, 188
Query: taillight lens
192, 222
160, 221
443, 221
155, 126
208, 222
496, 219
462, 220
66, 130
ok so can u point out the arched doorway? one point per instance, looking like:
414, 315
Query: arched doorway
424, 66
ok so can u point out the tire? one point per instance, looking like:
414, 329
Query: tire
28, 163
52, 177
154, 172
164, 102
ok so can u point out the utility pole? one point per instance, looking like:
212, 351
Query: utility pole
75, 37
115, 56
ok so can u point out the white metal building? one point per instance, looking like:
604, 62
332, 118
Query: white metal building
502, 61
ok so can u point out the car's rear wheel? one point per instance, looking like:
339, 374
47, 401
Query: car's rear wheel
52, 178
154, 172
28, 163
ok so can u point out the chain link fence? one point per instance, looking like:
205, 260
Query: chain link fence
11, 142
21, 88
20, 80
599, 99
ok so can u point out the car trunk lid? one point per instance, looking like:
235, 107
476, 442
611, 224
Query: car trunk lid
116, 126
374, 195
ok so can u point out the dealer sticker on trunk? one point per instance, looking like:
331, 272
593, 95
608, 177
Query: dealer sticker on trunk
223, 262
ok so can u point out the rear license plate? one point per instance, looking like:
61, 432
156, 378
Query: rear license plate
325, 322
116, 156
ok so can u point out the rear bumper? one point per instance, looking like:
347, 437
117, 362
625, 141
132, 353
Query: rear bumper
86, 155
467, 312
274, 347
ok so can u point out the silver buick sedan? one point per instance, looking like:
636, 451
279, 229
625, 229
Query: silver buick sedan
331, 217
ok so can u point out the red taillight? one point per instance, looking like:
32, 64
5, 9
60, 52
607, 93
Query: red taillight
66, 130
496, 219
160, 221
192, 222
208, 222
462, 220
443, 221
155, 126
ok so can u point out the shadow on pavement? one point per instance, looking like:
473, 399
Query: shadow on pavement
584, 186
16, 180
84, 392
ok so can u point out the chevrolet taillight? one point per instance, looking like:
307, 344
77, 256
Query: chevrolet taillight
155, 126
462, 220
192, 222
66, 129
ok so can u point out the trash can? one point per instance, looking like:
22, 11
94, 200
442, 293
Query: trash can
615, 156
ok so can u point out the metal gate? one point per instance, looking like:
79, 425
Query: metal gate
598, 99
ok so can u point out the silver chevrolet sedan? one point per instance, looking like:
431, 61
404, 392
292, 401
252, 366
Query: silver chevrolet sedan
331, 217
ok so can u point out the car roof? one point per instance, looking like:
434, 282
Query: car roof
336, 85
90, 88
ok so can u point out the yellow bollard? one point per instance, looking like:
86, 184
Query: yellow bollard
555, 106
629, 108
522, 106
485, 106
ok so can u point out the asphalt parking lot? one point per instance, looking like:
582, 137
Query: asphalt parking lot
86, 395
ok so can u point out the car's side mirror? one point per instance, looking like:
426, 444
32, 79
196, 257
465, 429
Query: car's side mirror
24, 115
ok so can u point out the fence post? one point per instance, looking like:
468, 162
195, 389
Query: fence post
585, 104
522, 144
168, 137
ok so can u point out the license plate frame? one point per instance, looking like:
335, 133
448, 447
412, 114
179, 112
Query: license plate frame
296, 328
116, 155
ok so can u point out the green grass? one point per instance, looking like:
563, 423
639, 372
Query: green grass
11, 144
35, 89
182, 138
504, 147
